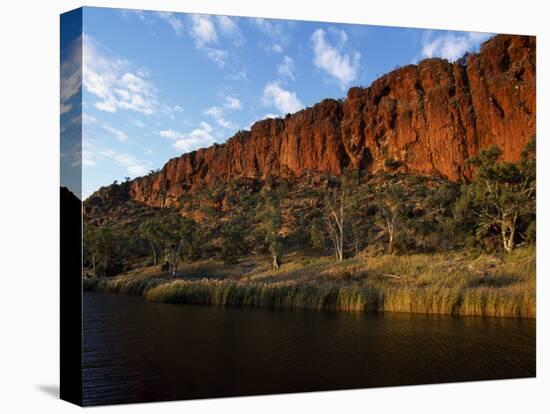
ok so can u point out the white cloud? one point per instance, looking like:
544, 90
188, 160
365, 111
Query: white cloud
91, 155
120, 135
219, 56
88, 119
203, 31
72, 155
229, 28
133, 166
277, 33
276, 47
114, 84
117, 133
71, 75
286, 68
285, 101
175, 22
232, 103
170, 111
217, 114
126, 13
451, 46
337, 63
269, 27
266, 116
88, 154
240, 75
199, 137
138, 123
227, 25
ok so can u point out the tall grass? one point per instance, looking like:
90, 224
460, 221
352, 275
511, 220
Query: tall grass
287, 294
448, 284
121, 284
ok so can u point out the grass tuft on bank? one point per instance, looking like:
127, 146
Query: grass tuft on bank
457, 283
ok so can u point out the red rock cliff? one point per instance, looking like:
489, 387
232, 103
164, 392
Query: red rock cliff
428, 117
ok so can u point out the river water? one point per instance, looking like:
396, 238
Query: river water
138, 351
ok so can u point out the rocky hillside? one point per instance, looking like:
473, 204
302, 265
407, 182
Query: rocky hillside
424, 119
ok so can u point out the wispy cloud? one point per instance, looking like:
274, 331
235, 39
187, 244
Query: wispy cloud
229, 28
199, 137
451, 46
203, 31
276, 48
217, 114
270, 27
89, 120
275, 32
137, 123
240, 75
269, 115
332, 59
171, 19
88, 154
114, 83
71, 75
126, 13
285, 101
232, 102
92, 155
120, 135
73, 155
133, 166
286, 68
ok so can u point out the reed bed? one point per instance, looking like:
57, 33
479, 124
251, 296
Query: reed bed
451, 284
288, 294
121, 284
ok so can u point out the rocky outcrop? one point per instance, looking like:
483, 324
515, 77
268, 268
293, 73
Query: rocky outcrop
427, 118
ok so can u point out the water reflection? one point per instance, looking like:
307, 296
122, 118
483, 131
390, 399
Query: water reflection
141, 351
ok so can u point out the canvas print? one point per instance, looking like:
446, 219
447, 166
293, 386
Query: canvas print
256, 206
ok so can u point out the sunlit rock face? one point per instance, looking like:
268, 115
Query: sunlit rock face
427, 118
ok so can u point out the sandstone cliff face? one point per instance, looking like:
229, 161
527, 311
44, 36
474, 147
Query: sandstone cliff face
429, 118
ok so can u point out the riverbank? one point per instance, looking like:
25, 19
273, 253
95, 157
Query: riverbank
456, 283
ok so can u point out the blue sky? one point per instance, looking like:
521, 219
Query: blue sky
156, 85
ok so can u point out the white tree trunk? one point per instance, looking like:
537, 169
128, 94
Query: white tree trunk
154, 254
276, 262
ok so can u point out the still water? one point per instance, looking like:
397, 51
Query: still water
137, 351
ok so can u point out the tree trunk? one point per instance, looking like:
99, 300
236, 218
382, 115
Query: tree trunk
391, 228
508, 231
154, 254
276, 262
342, 227
338, 230
511, 239
93, 265
335, 244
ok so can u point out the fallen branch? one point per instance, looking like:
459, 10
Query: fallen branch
390, 275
